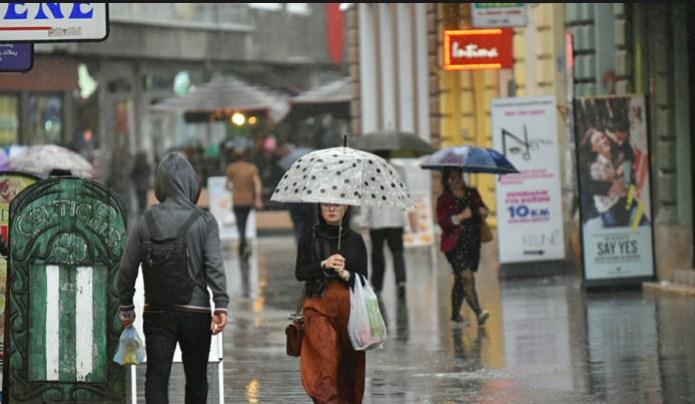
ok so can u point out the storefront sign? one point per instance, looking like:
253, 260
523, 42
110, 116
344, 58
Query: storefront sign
16, 57
53, 22
498, 14
529, 204
614, 191
471, 49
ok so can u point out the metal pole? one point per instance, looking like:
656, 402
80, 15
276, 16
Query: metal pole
133, 386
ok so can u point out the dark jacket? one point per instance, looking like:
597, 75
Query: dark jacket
320, 242
447, 206
177, 188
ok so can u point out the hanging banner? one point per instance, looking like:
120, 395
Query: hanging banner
614, 192
529, 204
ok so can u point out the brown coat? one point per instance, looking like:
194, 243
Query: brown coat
241, 175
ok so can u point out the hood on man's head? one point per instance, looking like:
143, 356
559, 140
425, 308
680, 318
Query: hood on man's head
175, 177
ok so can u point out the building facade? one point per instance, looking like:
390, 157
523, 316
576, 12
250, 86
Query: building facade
566, 51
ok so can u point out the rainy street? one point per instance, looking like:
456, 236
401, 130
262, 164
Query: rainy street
547, 341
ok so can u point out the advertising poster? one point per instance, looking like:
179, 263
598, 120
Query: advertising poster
529, 204
614, 191
419, 223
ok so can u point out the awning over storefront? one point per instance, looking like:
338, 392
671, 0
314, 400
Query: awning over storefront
223, 96
333, 97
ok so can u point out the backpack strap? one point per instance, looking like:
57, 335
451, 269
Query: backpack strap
187, 225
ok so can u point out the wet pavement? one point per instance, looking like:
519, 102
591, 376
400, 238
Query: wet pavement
547, 341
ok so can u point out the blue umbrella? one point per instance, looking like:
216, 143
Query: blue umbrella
470, 159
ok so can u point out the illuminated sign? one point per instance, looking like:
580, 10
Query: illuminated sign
53, 22
472, 49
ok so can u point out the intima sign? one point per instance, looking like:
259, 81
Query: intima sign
53, 22
470, 49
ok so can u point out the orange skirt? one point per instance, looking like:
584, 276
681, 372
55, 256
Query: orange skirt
332, 371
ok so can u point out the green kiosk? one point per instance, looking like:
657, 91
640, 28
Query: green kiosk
66, 239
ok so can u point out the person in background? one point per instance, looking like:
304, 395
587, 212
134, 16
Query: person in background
141, 177
460, 212
303, 216
329, 258
244, 181
385, 224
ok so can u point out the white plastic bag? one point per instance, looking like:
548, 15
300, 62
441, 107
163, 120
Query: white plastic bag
366, 325
131, 349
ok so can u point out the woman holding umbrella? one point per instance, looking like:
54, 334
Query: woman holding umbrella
460, 213
328, 259
330, 256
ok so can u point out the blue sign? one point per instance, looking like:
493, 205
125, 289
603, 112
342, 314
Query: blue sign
16, 57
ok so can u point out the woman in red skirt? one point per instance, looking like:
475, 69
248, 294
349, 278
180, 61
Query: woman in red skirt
329, 257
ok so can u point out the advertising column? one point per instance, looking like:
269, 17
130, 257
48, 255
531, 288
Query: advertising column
529, 205
614, 192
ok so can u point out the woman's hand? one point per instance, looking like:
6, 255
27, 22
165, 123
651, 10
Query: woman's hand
336, 262
483, 212
466, 214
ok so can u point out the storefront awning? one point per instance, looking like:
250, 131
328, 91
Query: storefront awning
223, 96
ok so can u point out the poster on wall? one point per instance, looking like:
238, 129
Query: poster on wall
614, 191
419, 223
529, 204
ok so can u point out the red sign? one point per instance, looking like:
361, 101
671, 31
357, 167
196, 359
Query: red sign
471, 49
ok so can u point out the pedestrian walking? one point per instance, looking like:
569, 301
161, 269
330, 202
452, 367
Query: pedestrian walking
244, 181
385, 224
460, 214
178, 246
329, 257
141, 177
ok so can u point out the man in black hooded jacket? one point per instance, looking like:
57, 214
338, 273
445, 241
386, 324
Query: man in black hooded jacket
191, 325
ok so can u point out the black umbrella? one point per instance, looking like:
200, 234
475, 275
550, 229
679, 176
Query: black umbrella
397, 142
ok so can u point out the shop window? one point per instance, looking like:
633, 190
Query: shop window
9, 119
45, 119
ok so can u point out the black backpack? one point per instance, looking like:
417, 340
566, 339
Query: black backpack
165, 265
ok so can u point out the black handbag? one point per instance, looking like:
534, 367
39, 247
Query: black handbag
294, 331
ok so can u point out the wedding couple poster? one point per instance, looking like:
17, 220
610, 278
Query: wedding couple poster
614, 188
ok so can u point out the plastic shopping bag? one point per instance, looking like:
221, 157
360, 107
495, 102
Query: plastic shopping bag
131, 349
366, 325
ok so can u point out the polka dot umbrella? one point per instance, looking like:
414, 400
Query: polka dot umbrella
345, 176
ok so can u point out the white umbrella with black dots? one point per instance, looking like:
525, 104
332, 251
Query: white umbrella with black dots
345, 176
